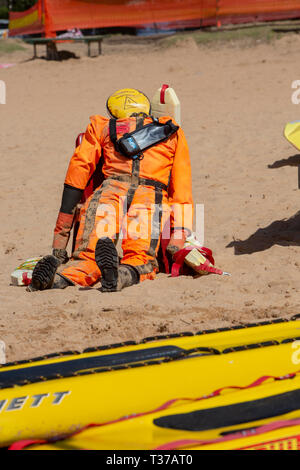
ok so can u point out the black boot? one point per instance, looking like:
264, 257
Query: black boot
113, 276
107, 259
44, 275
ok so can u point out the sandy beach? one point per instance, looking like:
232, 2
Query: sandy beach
235, 102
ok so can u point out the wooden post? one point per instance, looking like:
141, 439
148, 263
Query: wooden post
100, 46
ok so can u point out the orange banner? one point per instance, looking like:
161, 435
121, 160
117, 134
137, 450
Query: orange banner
236, 11
246, 7
101, 13
58, 15
27, 22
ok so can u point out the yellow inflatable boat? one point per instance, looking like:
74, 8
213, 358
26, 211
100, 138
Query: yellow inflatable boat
149, 395
264, 415
292, 133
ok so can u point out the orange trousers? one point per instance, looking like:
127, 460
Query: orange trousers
106, 214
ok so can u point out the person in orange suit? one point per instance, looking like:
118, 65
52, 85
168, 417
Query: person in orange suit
139, 193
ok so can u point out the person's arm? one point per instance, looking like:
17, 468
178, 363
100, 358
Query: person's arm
81, 167
180, 195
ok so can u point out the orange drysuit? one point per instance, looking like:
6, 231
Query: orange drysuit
134, 200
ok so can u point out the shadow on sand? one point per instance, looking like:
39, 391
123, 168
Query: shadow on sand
284, 232
294, 160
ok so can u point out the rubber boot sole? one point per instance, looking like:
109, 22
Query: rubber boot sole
44, 273
107, 259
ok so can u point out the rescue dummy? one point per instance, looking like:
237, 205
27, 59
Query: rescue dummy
145, 169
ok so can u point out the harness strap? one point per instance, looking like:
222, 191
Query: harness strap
141, 181
133, 144
135, 172
113, 132
156, 223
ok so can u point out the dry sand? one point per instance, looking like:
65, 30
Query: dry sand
235, 103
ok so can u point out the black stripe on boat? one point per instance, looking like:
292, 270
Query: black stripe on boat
231, 415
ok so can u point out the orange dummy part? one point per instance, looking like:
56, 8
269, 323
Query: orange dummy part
167, 162
107, 212
62, 230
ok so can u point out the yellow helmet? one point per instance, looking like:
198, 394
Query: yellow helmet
123, 103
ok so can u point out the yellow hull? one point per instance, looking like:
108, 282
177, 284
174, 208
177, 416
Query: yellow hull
292, 133
46, 397
224, 424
